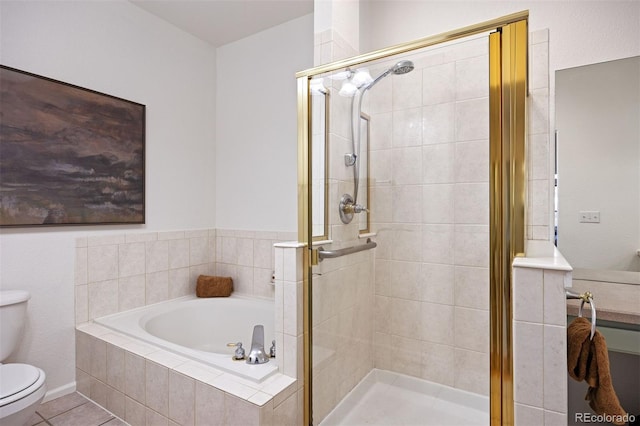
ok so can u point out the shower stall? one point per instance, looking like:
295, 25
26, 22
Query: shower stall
412, 207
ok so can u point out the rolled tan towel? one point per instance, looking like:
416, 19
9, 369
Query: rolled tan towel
211, 286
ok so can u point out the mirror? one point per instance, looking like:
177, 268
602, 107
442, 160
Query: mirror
598, 166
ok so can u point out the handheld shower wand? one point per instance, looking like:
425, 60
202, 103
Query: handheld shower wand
348, 204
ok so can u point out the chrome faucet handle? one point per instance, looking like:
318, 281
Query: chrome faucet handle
239, 353
359, 208
272, 349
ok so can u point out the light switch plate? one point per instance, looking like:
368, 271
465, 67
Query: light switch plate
589, 217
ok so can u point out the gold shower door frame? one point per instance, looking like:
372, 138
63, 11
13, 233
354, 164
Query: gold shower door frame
508, 53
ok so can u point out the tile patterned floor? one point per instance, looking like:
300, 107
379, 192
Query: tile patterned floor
73, 410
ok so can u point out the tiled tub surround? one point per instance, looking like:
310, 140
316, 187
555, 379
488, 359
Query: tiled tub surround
147, 385
115, 273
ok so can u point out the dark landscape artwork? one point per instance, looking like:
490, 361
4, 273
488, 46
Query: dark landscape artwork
68, 155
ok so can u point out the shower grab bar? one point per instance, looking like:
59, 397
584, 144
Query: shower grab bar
330, 254
585, 297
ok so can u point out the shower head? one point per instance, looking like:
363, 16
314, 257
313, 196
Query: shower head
401, 67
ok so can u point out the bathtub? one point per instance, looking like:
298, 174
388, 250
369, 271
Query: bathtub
201, 328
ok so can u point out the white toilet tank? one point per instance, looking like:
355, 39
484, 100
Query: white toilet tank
13, 309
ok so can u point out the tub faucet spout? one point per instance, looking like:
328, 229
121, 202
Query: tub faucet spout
257, 354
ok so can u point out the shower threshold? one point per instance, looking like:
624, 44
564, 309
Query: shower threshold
386, 398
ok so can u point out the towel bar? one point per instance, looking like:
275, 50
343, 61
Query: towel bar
330, 254
588, 298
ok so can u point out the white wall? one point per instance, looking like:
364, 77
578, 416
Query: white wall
116, 48
256, 133
581, 32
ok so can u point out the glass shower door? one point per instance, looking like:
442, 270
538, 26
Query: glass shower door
403, 332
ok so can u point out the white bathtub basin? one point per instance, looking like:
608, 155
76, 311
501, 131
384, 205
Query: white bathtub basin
200, 328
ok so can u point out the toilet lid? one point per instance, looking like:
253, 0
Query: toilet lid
15, 378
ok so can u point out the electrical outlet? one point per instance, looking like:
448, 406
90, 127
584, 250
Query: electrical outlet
589, 217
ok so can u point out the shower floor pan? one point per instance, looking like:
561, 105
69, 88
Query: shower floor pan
385, 398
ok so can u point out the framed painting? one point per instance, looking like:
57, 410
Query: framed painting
68, 155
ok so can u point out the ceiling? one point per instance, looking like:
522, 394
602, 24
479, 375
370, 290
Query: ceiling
219, 22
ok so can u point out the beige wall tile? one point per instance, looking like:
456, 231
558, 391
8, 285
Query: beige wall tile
155, 419
472, 78
437, 323
178, 253
527, 294
134, 383
470, 120
528, 363
131, 259
438, 363
134, 412
157, 256
83, 351
526, 415
438, 124
471, 202
102, 263
472, 287
437, 284
437, 203
438, 163
131, 292
81, 303
240, 412
157, 287
471, 245
115, 367
471, 371
555, 302
555, 368
157, 387
116, 402
285, 414
438, 244
103, 298
81, 266
209, 405
471, 329
198, 250
181, 399
472, 161
438, 84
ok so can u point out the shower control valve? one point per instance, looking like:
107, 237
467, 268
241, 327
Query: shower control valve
347, 208
350, 159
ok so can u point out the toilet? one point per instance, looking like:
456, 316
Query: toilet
22, 386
